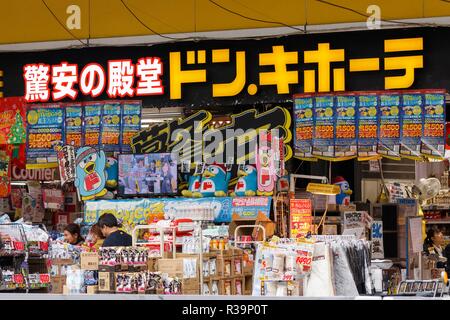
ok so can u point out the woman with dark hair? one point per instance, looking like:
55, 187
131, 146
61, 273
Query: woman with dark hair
110, 229
72, 234
433, 246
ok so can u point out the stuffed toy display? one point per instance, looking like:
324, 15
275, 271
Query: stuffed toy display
90, 178
247, 182
214, 182
343, 198
194, 181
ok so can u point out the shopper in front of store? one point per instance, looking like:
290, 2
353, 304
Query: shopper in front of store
113, 236
72, 234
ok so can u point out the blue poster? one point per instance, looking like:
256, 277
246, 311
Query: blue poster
74, 125
131, 122
324, 127
433, 140
304, 126
111, 126
45, 127
345, 142
412, 125
92, 124
390, 126
367, 126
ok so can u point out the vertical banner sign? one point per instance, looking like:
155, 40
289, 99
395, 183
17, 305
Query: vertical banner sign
131, 122
45, 125
5, 175
412, 125
367, 126
304, 126
92, 124
324, 123
300, 217
433, 140
66, 163
74, 125
111, 119
377, 240
390, 126
345, 143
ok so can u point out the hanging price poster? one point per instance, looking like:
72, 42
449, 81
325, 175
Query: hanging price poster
131, 122
45, 125
92, 123
412, 125
433, 140
304, 126
12, 124
390, 126
74, 125
111, 119
5, 175
300, 217
345, 142
323, 145
367, 126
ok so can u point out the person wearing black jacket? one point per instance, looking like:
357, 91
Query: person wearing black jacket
110, 229
433, 247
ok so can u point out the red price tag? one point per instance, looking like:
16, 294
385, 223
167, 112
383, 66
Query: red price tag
288, 277
18, 278
44, 278
43, 246
19, 246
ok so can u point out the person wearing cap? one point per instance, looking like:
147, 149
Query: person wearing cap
113, 236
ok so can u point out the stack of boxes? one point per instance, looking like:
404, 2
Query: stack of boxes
229, 276
58, 273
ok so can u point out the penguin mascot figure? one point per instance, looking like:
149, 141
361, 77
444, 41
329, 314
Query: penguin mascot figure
342, 198
112, 172
90, 178
215, 180
247, 182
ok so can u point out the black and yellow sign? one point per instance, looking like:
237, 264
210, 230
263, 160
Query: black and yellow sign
234, 72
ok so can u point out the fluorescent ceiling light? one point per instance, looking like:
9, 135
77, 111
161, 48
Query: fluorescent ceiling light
156, 120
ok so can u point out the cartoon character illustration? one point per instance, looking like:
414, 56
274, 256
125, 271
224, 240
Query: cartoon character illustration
247, 182
342, 112
408, 110
112, 172
107, 119
265, 165
363, 111
385, 111
214, 182
343, 197
301, 114
90, 175
320, 112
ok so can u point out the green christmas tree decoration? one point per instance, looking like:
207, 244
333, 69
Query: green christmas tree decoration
17, 132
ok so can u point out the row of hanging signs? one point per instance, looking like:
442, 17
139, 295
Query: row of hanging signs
370, 125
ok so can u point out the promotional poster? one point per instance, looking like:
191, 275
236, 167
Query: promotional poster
412, 125
367, 126
74, 125
433, 140
304, 126
324, 125
345, 142
390, 126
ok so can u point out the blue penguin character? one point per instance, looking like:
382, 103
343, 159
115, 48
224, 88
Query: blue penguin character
247, 182
342, 198
214, 181
90, 178
193, 185
112, 172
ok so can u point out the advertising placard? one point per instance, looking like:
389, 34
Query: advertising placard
324, 127
300, 217
367, 126
131, 122
412, 125
45, 127
111, 126
345, 142
304, 126
433, 140
92, 124
390, 126
74, 125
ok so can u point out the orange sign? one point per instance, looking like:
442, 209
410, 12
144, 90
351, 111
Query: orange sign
300, 217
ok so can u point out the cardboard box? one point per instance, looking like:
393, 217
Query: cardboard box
57, 284
61, 261
238, 267
224, 267
106, 281
91, 289
152, 264
238, 286
256, 233
190, 284
65, 289
226, 286
173, 267
89, 260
